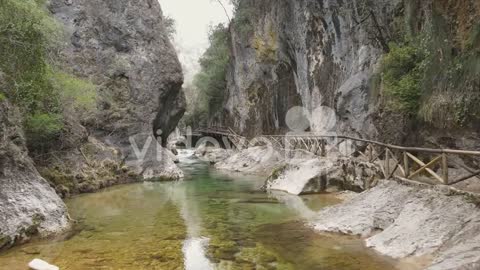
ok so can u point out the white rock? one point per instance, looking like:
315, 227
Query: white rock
38, 264
254, 160
295, 177
403, 221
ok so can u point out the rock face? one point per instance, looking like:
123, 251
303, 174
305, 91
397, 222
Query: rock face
157, 165
308, 53
402, 221
28, 205
124, 48
314, 53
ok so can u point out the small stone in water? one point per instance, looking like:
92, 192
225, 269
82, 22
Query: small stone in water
38, 264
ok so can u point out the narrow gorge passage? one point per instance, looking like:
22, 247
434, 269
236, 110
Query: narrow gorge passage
207, 221
239, 134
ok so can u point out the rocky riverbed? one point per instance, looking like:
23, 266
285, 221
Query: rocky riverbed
312, 173
420, 223
410, 221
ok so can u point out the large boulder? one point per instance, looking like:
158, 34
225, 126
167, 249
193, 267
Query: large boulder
158, 164
403, 221
305, 174
302, 176
255, 160
28, 205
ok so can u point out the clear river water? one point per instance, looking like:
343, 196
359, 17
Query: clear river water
208, 221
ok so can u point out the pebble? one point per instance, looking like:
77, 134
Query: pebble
38, 264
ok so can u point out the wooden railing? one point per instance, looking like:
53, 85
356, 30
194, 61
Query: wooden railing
391, 158
226, 131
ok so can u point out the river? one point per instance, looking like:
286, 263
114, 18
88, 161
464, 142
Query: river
208, 221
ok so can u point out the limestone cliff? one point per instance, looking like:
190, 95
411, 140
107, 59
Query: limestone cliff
28, 205
329, 53
310, 53
124, 49
123, 46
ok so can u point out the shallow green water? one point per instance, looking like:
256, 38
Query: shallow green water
208, 221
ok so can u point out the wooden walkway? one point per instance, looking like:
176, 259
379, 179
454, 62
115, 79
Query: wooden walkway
407, 162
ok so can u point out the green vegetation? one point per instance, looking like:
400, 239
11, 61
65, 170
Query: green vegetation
244, 12
210, 83
42, 128
81, 94
432, 77
170, 26
277, 172
28, 36
402, 73
2, 97
474, 40
29, 43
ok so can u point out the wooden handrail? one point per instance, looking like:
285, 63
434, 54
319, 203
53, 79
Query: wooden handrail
444, 179
391, 146
320, 140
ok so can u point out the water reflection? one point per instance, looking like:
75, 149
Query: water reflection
195, 244
194, 252
208, 221
295, 203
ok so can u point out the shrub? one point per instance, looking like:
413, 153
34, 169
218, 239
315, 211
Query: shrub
79, 93
27, 37
170, 26
42, 128
244, 13
402, 73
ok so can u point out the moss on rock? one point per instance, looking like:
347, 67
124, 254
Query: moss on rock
5, 241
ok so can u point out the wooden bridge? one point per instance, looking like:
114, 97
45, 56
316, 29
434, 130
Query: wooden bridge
393, 160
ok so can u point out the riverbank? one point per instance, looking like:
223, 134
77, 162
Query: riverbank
209, 220
409, 221
312, 173
419, 223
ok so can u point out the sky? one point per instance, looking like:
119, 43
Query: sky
193, 19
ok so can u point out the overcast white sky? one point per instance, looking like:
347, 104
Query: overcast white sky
193, 18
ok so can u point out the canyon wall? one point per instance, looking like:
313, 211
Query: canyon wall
122, 48
28, 204
306, 53
329, 53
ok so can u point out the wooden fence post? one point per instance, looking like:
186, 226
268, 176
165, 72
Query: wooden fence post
323, 150
370, 152
405, 163
387, 162
445, 168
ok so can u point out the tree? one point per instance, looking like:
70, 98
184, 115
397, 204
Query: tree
209, 84
170, 26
